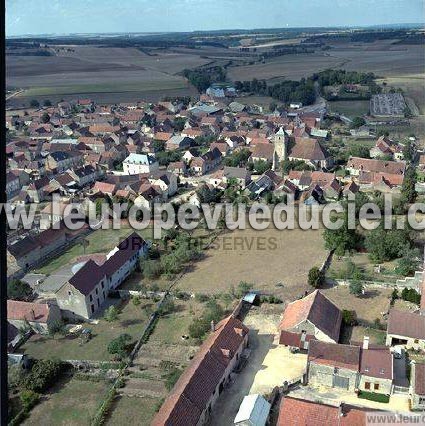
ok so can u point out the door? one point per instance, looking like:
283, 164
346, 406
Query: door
341, 382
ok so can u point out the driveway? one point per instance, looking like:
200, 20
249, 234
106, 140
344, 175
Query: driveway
269, 365
399, 370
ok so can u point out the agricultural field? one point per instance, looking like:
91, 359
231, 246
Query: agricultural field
70, 402
100, 73
370, 57
131, 320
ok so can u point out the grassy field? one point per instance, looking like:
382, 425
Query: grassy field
104, 88
274, 261
131, 320
100, 241
132, 410
69, 403
349, 108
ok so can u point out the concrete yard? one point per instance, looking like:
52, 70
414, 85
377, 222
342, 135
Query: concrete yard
269, 364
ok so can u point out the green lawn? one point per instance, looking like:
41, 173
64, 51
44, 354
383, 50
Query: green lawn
100, 241
70, 402
349, 108
170, 328
131, 320
172, 83
132, 411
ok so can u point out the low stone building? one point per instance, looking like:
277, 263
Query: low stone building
417, 386
316, 315
86, 291
333, 365
376, 369
407, 329
38, 315
191, 400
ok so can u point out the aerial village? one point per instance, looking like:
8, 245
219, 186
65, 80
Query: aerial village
188, 357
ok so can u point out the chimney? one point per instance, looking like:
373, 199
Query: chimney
303, 336
212, 326
366, 342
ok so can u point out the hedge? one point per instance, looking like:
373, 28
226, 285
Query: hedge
372, 396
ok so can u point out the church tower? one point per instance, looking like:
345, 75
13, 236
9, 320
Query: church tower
279, 142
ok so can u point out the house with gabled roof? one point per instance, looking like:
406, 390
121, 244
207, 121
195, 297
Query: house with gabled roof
38, 315
333, 365
192, 398
86, 291
300, 412
314, 314
406, 328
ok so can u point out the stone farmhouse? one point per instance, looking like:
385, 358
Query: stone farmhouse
315, 315
193, 396
83, 295
407, 329
38, 315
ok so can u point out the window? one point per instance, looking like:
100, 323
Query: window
69, 293
367, 385
91, 298
416, 340
97, 292
376, 386
102, 284
92, 309
422, 400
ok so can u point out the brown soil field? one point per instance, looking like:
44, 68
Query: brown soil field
101, 73
274, 261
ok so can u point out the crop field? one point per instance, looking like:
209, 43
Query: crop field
104, 73
370, 57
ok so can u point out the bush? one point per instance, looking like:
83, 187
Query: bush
244, 288
349, 318
372, 396
28, 399
167, 307
356, 288
136, 300
19, 290
151, 269
120, 345
43, 374
111, 314
171, 378
411, 295
316, 277
56, 327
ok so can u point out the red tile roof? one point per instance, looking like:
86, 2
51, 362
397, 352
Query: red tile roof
308, 149
33, 312
297, 412
420, 379
408, 324
288, 338
192, 392
334, 355
376, 362
380, 166
317, 309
